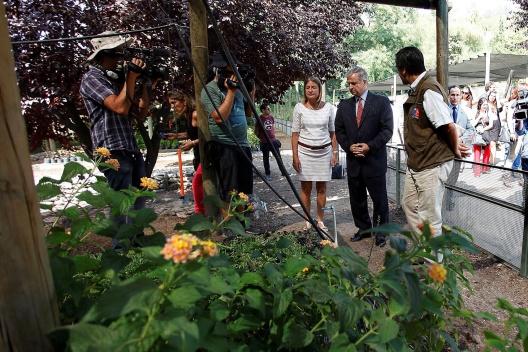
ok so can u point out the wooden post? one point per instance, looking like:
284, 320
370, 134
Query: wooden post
28, 306
200, 55
442, 45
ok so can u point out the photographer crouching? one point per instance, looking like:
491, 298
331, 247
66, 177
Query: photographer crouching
108, 90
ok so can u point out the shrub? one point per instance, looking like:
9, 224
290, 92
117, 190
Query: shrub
276, 292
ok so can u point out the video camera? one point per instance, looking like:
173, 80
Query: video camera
521, 108
247, 73
154, 58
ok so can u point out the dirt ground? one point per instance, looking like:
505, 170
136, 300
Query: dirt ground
492, 278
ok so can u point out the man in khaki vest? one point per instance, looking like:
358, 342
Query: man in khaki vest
431, 141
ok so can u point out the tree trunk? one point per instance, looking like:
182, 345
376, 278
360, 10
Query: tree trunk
28, 306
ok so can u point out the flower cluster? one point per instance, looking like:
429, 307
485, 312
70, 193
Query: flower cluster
181, 248
103, 152
437, 272
422, 225
114, 163
243, 196
148, 183
305, 270
328, 243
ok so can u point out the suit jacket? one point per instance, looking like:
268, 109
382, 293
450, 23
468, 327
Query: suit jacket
375, 129
463, 121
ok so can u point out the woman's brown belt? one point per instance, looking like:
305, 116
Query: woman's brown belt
318, 147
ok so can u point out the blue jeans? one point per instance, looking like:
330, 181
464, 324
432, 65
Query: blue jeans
516, 162
131, 170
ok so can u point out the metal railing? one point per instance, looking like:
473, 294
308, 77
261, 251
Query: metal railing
490, 207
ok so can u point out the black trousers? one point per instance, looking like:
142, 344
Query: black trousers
377, 188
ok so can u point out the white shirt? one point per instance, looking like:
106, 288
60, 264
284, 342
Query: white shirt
436, 109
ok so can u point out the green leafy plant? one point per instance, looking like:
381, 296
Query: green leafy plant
270, 292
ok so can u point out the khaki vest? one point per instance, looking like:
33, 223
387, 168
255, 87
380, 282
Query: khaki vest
424, 146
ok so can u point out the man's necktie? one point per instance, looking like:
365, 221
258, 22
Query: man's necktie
455, 114
359, 110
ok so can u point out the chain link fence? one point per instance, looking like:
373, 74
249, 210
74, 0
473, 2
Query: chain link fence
490, 207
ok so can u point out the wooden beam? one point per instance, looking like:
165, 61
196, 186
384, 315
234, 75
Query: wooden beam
421, 4
28, 306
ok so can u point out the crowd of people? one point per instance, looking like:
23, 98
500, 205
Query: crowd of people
439, 126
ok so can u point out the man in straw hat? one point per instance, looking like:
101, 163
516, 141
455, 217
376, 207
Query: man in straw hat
108, 94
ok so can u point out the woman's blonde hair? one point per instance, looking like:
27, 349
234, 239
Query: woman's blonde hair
319, 84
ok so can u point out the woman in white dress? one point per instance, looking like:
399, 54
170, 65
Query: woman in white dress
314, 145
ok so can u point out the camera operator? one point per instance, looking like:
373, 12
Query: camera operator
107, 92
233, 169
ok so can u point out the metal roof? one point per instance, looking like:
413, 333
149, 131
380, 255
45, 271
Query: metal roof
472, 71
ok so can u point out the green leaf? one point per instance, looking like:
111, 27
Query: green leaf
181, 333
256, 300
145, 216
281, 302
494, 340
316, 291
398, 243
284, 243
112, 263
195, 223
296, 336
251, 279
342, 344
80, 227
235, 226
349, 310
84, 263
198, 273
219, 310
137, 294
396, 308
45, 179
47, 191
215, 200
153, 253
156, 240
245, 324
185, 296
57, 238
71, 212
91, 337
449, 340
354, 262
415, 293
388, 330
293, 266
93, 199
71, 170
219, 286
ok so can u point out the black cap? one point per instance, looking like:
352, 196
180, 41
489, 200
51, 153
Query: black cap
219, 60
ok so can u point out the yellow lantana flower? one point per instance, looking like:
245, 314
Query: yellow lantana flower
148, 183
103, 151
328, 243
437, 272
181, 248
305, 270
114, 163
243, 196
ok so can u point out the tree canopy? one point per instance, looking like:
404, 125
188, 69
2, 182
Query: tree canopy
285, 40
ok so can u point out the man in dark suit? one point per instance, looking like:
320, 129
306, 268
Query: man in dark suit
465, 133
363, 126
